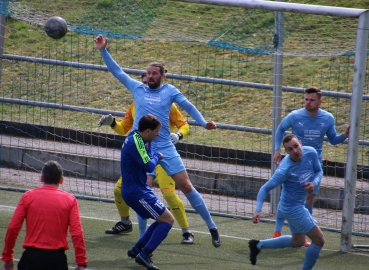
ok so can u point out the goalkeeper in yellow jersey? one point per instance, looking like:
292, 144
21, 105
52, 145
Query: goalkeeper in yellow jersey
165, 182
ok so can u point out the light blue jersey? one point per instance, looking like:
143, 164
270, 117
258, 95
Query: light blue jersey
292, 176
157, 102
310, 130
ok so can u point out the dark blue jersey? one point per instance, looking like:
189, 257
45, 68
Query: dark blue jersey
136, 160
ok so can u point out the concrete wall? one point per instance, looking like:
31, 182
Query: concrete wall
82, 166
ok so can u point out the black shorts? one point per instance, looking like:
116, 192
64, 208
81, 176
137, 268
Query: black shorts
43, 259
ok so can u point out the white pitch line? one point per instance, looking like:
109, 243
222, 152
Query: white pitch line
8, 207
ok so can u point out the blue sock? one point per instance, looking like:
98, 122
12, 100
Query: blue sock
142, 224
281, 242
279, 221
311, 256
159, 234
145, 238
309, 207
198, 203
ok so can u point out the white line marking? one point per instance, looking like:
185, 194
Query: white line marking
8, 207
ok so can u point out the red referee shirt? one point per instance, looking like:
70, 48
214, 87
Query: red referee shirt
49, 212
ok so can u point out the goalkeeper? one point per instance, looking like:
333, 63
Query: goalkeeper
165, 182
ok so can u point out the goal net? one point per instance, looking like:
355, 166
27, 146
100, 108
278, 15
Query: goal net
220, 54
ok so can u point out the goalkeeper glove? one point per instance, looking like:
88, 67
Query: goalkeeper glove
107, 120
175, 137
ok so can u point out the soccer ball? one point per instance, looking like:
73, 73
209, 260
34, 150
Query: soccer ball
56, 27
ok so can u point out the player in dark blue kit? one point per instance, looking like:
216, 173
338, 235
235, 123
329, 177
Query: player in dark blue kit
137, 159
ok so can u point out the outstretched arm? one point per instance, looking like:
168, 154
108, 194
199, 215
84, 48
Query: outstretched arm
101, 42
177, 120
126, 123
113, 67
195, 114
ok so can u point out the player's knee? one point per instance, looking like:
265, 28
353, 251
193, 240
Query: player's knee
318, 240
171, 221
172, 199
167, 217
117, 193
185, 186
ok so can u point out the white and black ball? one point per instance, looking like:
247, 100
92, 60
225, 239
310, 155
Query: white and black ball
56, 27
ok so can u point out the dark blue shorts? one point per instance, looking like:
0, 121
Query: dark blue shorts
148, 206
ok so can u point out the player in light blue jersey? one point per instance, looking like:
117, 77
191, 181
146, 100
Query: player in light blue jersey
298, 173
156, 98
310, 124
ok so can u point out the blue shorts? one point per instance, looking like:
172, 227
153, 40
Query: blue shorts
148, 206
173, 165
299, 220
172, 162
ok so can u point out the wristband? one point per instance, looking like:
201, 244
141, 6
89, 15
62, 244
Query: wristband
113, 124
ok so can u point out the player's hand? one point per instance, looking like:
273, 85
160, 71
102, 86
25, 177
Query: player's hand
174, 137
210, 125
106, 120
347, 132
256, 217
309, 187
277, 157
101, 42
8, 265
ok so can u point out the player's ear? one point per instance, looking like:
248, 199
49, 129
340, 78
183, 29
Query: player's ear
42, 179
61, 180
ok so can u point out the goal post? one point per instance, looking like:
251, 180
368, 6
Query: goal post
232, 59
355, 113
356, 99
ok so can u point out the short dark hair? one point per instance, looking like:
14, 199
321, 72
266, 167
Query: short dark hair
143, 75
52, 172
148, 121
313, 90
288, 138
160, 66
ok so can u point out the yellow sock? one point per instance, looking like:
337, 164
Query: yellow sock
176, 207
122, 207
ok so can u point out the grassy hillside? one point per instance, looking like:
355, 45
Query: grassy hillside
221, 103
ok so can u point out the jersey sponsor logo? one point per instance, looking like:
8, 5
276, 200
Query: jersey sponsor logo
152, 97
302, 124
311, 133
305, 177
